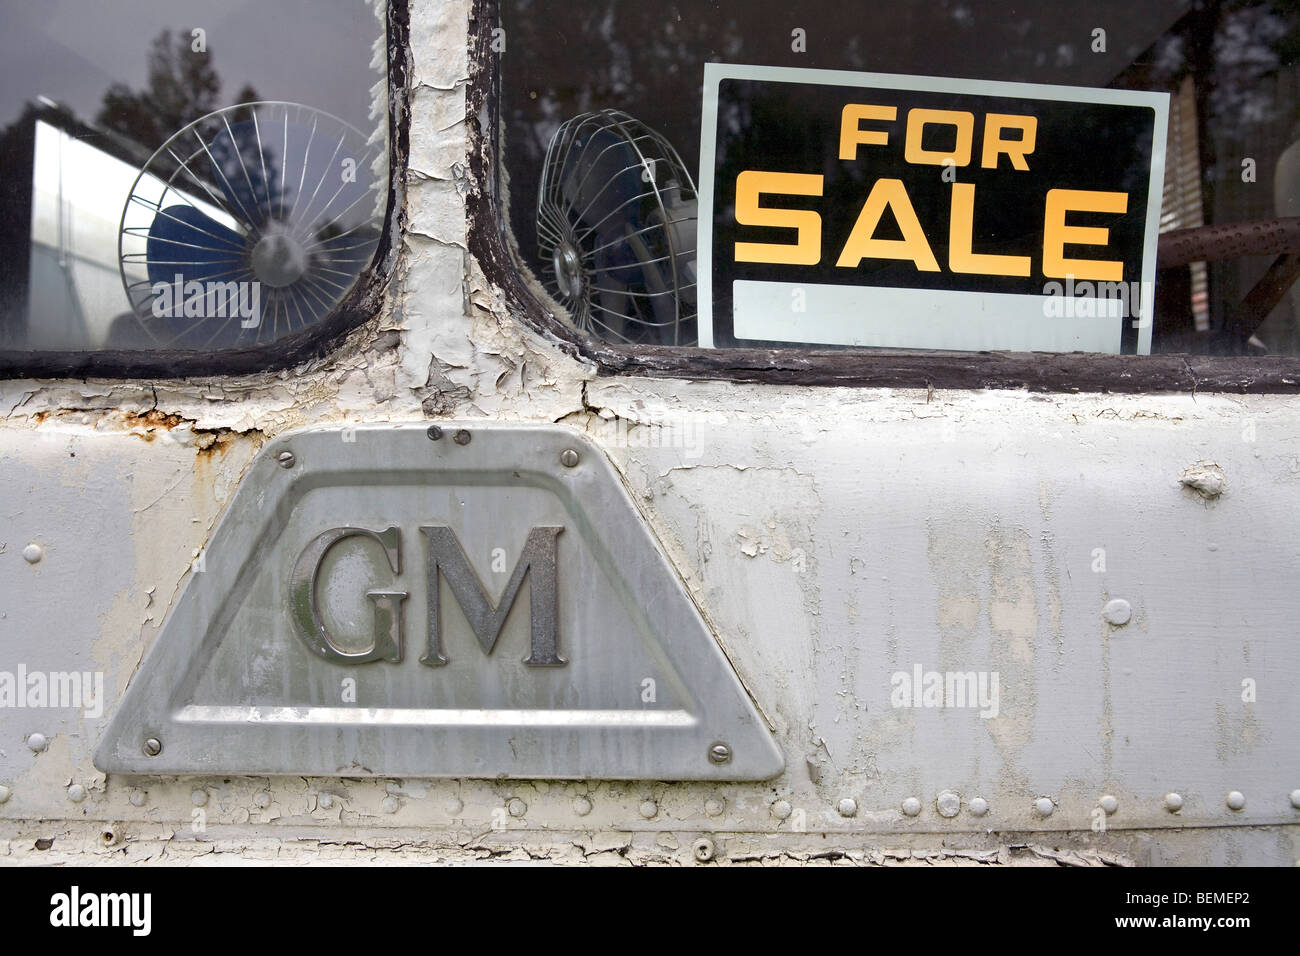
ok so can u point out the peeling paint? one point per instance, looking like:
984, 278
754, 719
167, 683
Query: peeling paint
831, 536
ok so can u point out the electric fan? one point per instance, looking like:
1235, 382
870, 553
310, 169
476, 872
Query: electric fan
616, 211
250, 224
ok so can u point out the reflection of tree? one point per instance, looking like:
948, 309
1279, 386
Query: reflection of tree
1228, 47
1237, 58
183, 85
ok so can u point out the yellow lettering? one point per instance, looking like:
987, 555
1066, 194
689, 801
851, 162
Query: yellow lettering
1016, 149
861, 245
750, 185
960, 230
919, 119
852, 135
1056, 234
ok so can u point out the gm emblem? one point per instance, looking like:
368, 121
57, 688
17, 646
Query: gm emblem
445, 556
343, 552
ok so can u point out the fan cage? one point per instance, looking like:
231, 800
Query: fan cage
251, 194
619, 261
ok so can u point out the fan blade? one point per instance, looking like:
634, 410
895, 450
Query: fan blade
604, 183
186, 246
186, 242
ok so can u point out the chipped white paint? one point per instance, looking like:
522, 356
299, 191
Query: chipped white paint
1205, 478
830, 536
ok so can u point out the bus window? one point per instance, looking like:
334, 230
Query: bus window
601, 105
188, 190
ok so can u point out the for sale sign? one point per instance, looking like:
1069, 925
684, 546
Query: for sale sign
867, 209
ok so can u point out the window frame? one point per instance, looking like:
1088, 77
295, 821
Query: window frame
1063, 372
361, 304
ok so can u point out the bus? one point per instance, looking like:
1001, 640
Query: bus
675, 433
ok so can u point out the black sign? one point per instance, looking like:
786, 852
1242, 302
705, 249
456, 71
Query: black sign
861, 209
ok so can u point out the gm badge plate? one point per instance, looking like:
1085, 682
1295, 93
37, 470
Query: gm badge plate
488, 603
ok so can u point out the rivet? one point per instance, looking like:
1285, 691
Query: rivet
37, 742
911, 806
1236, 800
648, 809
1173, 802
715, 805
286, 459
1295, 799
453, 806
719, 753
5, 794
847, 807
979, 806
517, 807
569, 458
76, 793
1117, 612
137, 798
152, 747
581, 806
948, 804
199, 798
434, 432
1044, 806
33, 553
461, 437
261, 799
325, 801
703, 849
388, 804
1108, 803
781, 809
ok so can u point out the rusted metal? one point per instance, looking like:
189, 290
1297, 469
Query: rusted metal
1264, 297
1215, 243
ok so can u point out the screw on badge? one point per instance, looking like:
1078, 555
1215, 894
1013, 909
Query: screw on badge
286, 459
434, 432
719, 753
569, 458
152, 747
461, 437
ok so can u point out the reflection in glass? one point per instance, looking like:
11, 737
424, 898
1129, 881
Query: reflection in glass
1232, 68
128, 178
